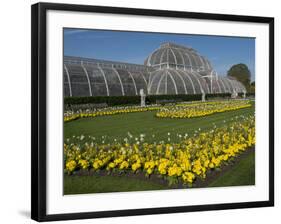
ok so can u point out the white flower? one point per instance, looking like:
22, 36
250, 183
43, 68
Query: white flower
130, 135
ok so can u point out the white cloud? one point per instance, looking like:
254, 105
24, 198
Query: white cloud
71, 32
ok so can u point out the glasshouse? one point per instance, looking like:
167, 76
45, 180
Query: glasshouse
171, 69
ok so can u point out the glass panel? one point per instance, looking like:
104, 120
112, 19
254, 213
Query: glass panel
155, 59
164, 56
170, 86
226, 84
139, 80
155, 77
128, 84
196, 60
187, 80
203, 84
97, 81
178, 80
113, 82
170, 57
66, 90
178, 57
195, 82
65, 84
205, 63
161, 86
79, 82
216, 86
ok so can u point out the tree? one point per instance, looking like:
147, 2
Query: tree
241, 73
252, 87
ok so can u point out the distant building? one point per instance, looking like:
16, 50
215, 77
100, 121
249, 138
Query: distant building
171, 69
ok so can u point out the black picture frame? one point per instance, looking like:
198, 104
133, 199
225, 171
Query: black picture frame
38, 108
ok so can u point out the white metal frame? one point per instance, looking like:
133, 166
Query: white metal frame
102, 72
87, 75
121, 83
68, 79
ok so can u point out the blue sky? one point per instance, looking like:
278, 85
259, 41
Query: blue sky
134, 47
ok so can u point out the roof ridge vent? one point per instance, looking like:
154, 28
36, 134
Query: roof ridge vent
173, 45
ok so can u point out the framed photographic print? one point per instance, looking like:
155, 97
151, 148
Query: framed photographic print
138, 111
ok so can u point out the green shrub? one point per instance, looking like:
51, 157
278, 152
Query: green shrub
134, 100
217, 95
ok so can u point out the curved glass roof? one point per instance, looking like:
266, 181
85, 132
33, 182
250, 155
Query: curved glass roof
218, 84
171, 69
176, 56
171, 81
92, 80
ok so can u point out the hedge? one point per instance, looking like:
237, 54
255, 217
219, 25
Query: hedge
247, 94
127, 100
217, 95
109, 100
133, 100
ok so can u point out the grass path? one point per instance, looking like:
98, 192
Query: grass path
117, 126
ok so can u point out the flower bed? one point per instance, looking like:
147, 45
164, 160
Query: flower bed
201, 109
70, 116
181, 110
184, 161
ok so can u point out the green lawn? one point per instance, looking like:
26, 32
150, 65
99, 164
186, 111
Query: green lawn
104, 184
243, 173
118, 126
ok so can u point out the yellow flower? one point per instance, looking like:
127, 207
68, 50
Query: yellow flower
71, 165
149, 171
225, 157
188, 177
97, 164
124, 165
136, 166
111, 165
83, 163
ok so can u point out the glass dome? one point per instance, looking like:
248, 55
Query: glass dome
171, 55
